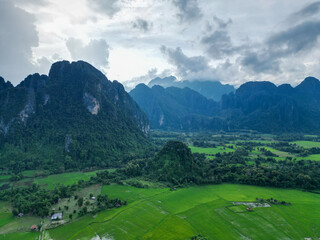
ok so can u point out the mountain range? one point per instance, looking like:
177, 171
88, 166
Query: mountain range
210, 89
73, 118
260, 106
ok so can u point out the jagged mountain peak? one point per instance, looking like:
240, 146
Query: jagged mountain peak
4, 84
76, 101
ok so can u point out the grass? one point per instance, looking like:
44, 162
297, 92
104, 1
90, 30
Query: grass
164, 214
64, 179
4, 179
238, 208
307, 144
312, 157
219, 149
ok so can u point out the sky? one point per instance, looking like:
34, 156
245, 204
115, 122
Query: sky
134, 41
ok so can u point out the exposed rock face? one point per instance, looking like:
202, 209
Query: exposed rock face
67, 144
91, 103
78, 101
26, 112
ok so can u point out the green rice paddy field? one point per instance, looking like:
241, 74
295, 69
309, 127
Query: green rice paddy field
164, 214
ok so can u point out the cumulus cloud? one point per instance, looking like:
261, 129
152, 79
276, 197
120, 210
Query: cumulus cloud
183, 63
198, 68
107, 7
95, 52
217, 41
142, 25
18, 35
218, 44
188, 10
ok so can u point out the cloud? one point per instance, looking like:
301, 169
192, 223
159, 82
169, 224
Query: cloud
221, 23
307, 12
18, 35
188, 10
261, 62
183, 63
198, 68
146, 78
106, 7
218, 44
299, 39
32, 2
142, 24
95, 52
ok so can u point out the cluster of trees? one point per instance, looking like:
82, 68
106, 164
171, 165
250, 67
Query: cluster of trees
203, 144
272, 201
176, 165
38, 201
34, 199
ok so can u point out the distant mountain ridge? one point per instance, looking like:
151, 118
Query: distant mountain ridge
172, 107
73, 118
210, 89
260, 106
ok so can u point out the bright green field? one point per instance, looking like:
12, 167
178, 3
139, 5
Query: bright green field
164, 214
64, 179
307, 144
215, 150
313, 157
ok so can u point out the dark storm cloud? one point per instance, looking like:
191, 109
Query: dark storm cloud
183, 63
95, 52
188, 10
142, 24
18, 35
300, 38
107, 7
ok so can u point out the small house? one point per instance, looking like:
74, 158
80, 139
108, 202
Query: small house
20, 214
56, 216
117, 205
93, 198
34, 228
249, 209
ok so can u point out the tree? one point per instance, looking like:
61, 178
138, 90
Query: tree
80, 201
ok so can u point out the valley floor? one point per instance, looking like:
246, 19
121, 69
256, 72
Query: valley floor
158, 213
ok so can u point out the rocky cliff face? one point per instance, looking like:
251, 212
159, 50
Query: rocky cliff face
74, 102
